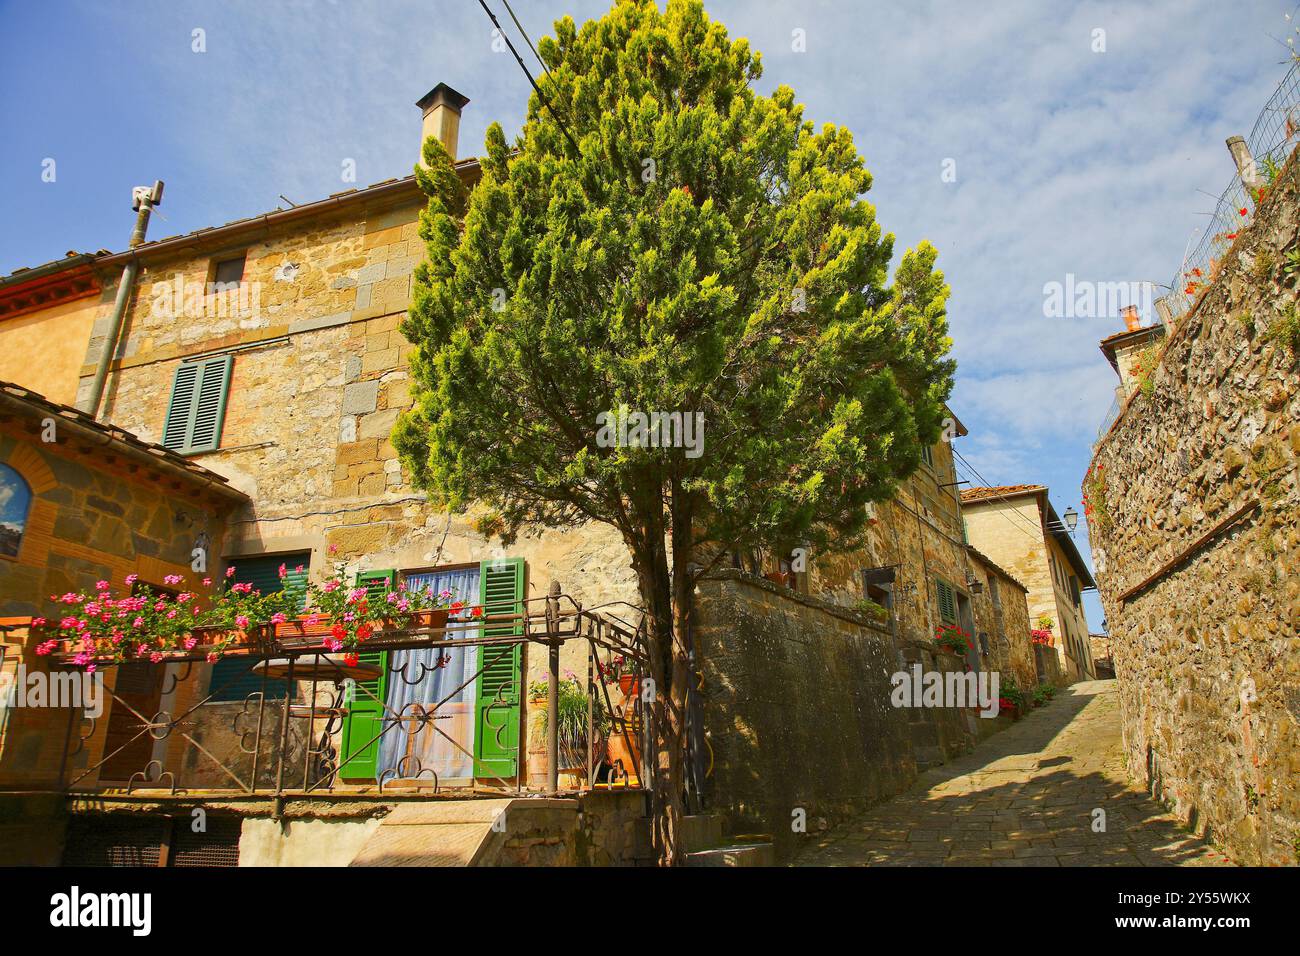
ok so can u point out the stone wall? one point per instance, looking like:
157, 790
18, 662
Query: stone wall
795, 697
93, 516
1004, 529
1208, 654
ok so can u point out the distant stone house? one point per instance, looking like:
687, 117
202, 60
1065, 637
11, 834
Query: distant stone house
88, 501
266, 352
1017, 526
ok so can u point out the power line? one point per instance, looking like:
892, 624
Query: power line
540, 95
524, 33
1013, 516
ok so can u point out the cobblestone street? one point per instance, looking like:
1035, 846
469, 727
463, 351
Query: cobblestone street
1025, 797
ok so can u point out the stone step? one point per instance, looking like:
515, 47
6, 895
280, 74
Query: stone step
739, 854
927, 757
702, 831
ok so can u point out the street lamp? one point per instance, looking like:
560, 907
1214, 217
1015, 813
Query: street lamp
1071, 519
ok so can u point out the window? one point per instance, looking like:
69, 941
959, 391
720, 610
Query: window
479, 689
947, 601
1074, 590
198, 405
15, 500
233, 679
227, 274
927, 455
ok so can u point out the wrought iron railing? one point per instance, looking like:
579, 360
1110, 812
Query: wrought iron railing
276, 746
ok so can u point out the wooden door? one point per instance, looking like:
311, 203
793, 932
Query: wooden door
139, 684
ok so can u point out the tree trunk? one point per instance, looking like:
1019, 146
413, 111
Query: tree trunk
662, 769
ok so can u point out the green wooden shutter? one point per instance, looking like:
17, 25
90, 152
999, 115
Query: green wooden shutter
178, 409
497, 698
947, 602
198, 405
295, 583
233, 678
365, 717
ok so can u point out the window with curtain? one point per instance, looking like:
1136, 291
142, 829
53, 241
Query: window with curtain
438, 681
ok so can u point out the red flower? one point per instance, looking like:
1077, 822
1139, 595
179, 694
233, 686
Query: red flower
476, 612
364, 631
1242, 211
350, 659
339, 631
457, 607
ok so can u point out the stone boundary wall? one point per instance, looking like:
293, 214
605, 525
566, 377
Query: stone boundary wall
795, 695
1207, 655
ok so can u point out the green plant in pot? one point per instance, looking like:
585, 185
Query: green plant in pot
572, 710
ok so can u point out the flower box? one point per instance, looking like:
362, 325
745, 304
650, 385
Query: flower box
253, 642
310, 631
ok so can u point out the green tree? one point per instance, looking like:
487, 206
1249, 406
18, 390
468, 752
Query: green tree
702, 250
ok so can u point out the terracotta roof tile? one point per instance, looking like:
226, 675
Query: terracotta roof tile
999, 491
33, 403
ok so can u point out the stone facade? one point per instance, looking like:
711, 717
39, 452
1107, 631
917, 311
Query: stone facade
101, 508
1195, 523
920, 534
796, 704
1002, 623
1011, 525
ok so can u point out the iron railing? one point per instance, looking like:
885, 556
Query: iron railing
293, 745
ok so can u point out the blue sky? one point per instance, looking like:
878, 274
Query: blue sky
1067, 160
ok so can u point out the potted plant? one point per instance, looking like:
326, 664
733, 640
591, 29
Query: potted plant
571, 707
619, 669
1011, 700
953, 639
342, 617
141, 624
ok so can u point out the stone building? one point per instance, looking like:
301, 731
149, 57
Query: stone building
1130, 352
1194, 515
266, 351
82, 501
1017, 526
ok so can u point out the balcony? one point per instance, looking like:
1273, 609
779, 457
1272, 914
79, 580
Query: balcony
303, 723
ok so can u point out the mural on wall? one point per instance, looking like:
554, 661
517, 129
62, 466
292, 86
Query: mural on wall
15, 499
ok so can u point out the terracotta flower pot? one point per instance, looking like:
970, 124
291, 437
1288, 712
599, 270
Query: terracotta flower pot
625, 751
239, 643
627, 683
301, 633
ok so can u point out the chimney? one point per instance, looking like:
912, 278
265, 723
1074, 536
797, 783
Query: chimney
1132, 321
441, 107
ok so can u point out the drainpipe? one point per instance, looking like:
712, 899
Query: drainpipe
145, 199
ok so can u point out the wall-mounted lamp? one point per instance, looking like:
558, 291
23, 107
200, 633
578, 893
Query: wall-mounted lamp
1071, 519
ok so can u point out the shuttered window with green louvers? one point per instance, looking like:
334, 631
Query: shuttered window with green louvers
947, 602
499, 690
197, 408
365, 719
233, 678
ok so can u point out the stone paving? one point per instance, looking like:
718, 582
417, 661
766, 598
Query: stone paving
1024, 797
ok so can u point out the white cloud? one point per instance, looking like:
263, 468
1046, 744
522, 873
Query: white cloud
1067, 160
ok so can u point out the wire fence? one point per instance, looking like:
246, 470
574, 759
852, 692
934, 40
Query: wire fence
1275, 134
1272, 139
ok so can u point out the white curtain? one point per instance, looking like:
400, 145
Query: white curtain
439, 681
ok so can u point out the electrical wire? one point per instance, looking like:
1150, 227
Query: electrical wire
540, 95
